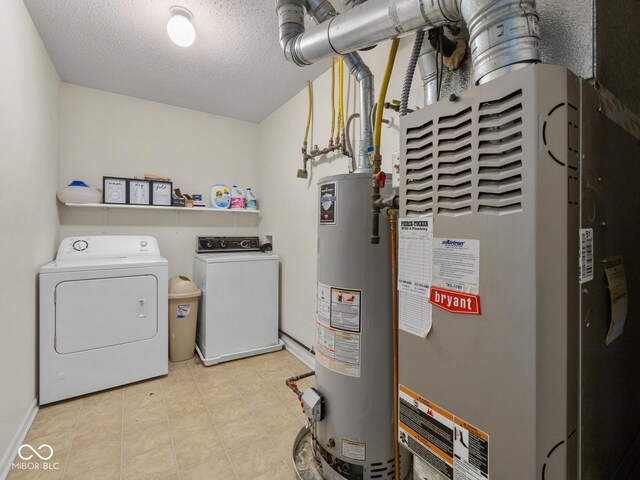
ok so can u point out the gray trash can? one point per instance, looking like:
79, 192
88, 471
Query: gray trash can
183, 317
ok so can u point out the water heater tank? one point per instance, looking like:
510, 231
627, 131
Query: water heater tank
354, 334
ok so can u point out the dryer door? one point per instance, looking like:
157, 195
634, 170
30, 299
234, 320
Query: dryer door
104, 312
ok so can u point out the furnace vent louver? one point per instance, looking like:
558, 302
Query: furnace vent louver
419, 173
500, 155
467, 161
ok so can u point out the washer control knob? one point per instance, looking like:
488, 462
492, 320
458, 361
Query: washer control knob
223, 244
80, 245
245, 244
143, 244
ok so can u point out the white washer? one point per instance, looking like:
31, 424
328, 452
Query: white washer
103, 315
239, 312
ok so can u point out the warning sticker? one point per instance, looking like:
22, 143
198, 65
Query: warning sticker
337, 350
470, 452
354, 450
323, 308
427, 430
345, 309
586, 255
449, 447
328, 203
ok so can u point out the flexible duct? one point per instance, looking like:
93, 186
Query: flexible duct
503, 34
322, 11
411, 69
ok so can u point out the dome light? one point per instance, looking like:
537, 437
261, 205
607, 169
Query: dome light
180, 28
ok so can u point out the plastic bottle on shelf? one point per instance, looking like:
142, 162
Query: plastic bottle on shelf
220, 196
237, 197
79, 192
251, 202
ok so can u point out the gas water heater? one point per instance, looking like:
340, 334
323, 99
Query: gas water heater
353, 437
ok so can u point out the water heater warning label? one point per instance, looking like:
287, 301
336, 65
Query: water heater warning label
345, 309
355, 450
338, 329
451, 448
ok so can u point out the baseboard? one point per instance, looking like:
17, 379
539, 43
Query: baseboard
305, 356
18, 439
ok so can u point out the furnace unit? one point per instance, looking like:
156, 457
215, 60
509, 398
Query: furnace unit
529, 195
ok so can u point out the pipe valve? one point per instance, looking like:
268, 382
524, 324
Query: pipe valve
382, 178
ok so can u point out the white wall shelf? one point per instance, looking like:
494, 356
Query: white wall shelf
157, 207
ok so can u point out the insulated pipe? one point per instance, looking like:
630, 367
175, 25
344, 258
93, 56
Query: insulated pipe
323, 11
502, 33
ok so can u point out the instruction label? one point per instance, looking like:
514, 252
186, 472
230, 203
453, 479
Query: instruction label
423, 471
449, 448
337, 350
323, 308
586, 255
456, 264
415, 256
455, 285
338, 329
345, 309
470, 452
354, 450
328, 203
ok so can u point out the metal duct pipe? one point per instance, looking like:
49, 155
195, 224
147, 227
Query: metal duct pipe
291, 22
428, 68
502, 33
323, 11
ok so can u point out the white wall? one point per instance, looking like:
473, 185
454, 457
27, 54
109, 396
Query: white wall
29, 162
108, 134
289, 204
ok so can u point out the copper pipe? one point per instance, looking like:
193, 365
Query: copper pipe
394, 301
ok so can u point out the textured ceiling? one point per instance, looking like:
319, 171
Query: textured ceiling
235, 67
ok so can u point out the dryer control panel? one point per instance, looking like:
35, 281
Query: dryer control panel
107, 246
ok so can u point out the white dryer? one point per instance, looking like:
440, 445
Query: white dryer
103, 315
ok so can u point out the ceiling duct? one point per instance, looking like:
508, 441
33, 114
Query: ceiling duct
504, 35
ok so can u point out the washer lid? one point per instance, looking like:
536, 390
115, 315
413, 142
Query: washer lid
235, 257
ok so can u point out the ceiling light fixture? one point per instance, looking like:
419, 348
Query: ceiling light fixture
180, 28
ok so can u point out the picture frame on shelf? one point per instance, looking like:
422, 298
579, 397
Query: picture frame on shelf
161, 193
115, 190
139, 191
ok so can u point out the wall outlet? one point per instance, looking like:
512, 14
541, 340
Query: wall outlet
395, 169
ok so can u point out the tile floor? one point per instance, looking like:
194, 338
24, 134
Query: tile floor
233, 421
